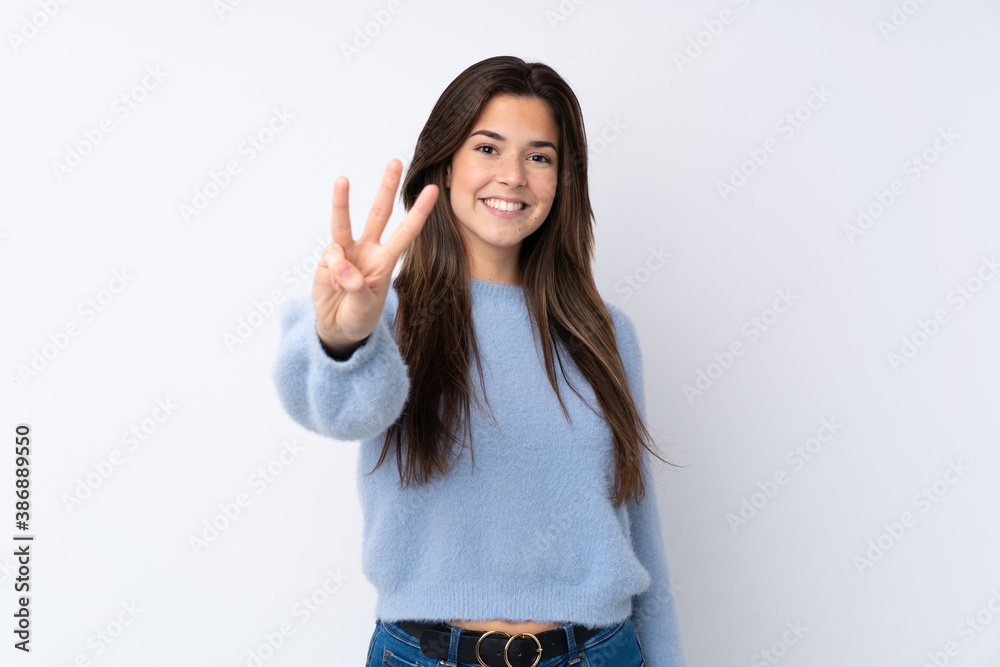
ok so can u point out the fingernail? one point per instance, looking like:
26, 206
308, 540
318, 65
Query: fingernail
343, 270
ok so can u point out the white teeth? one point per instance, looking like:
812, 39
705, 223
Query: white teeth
502, 205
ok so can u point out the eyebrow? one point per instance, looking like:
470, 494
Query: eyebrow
531, 144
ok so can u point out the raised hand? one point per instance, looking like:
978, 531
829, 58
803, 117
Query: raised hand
353, 277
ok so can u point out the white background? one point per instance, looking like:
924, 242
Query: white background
664, 133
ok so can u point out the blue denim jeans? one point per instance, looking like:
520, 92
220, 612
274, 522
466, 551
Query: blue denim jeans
616, 646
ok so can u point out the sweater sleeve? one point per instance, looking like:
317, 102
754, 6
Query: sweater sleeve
653, 612
353, 399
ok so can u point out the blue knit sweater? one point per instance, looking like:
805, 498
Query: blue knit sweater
528, 533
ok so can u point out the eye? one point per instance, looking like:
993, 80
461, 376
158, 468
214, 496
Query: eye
544, 159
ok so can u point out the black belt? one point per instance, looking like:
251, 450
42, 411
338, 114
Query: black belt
492, 648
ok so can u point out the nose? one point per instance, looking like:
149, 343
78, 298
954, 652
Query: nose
510, 172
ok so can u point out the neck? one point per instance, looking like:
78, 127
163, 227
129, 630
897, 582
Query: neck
496, 267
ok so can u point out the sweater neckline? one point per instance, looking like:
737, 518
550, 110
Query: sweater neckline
499, 290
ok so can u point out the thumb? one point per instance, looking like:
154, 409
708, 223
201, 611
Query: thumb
346, 274
338, 266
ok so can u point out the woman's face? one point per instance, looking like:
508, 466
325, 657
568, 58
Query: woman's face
511, 155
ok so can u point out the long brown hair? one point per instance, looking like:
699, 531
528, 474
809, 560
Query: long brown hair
433, 325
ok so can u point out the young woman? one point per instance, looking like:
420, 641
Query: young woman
524, 532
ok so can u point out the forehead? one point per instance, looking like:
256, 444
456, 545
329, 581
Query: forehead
519, 118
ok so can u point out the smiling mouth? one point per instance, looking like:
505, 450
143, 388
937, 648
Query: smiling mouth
501, 205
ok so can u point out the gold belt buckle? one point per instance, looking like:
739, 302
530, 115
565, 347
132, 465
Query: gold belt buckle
479, 658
